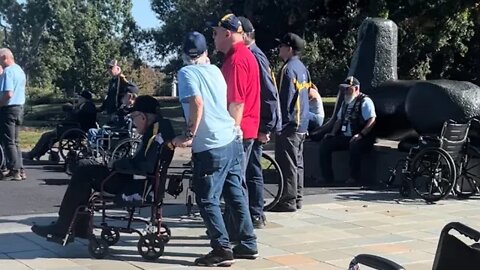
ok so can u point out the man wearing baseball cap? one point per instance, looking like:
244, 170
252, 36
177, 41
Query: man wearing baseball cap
270, 123
89, 174
118, 86
241, 72
82, 112
351, 131
294, 82
216, 154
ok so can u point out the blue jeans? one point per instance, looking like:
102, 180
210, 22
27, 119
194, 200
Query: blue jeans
255, 180
218, 170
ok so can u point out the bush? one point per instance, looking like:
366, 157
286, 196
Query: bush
38, 95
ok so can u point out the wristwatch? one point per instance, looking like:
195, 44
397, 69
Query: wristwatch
188, 134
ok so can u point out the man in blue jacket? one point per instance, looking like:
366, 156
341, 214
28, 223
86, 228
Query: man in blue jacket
294, 84
270, 122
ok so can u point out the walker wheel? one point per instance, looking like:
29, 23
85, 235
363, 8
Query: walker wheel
97, 248
151, 246
110, 236
165, 232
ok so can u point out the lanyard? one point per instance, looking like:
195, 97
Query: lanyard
155, 131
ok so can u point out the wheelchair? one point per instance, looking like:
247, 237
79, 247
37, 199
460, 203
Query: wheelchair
272, 178
153, 236
452, 253
72, 141
431, 167
113, 143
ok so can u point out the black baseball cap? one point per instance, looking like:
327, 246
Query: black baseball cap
229, 22
86, 94
247, 25
350, 81
292, 40
145, 104
194, 44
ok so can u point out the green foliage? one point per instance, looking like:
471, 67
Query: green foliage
437, 39
65, 43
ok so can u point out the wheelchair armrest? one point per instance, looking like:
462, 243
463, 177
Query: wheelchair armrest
430, 140
374, 262
463, 229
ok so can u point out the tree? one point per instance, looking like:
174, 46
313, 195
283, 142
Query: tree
64, 44
437, 39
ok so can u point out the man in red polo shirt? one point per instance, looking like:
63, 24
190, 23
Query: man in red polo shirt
241, 72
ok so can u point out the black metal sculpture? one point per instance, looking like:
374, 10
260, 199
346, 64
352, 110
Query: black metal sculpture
404, 108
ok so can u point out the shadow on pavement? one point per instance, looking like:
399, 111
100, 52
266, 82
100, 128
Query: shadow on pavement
25, 245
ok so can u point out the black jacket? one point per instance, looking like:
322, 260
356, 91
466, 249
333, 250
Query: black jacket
117, 87
85, 114
154, 141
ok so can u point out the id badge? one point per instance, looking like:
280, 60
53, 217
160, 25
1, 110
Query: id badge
344, 128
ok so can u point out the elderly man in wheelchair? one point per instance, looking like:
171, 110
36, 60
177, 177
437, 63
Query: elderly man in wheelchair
90, 174
104, 141
81, 115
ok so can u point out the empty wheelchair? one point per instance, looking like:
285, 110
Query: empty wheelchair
452, 252
430, 168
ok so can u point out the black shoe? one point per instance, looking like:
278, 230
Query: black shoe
82, 226
258, 222
299, 205
283, 208
216, 257
242, 252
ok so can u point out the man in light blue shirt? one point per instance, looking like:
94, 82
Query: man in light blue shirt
217, 154
352, 132
12, 99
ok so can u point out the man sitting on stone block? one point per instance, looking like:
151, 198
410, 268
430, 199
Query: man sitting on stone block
351, 131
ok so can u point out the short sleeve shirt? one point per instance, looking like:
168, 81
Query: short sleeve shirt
368, 111
241, 72
13, 79
216, 128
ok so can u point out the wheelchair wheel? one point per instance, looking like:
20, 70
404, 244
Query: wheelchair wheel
466, 185
433, 174
72, 142
97, 248
110, 236
273, 181
126, 148
151, 246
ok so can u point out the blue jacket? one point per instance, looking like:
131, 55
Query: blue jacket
270, 116
294, 84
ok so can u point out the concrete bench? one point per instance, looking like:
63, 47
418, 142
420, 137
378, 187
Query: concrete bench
375, 164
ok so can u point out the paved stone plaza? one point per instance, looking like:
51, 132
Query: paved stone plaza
326, 234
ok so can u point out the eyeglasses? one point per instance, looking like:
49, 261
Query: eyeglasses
135, 115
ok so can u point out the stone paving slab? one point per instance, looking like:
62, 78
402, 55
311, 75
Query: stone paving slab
320, 236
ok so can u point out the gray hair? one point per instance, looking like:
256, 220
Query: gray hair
201, 59
7, 52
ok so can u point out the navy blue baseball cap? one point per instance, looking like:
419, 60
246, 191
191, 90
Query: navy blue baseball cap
229, 22
194, 44
292, 40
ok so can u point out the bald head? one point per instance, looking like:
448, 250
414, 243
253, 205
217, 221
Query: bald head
6, 57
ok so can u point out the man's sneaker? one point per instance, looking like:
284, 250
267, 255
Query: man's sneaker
217, 257
258, 222
242, 252
23, 174
13, 175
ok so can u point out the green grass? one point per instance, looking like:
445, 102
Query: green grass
29, 136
